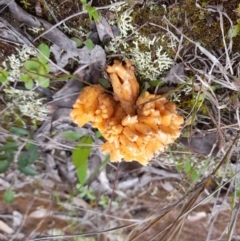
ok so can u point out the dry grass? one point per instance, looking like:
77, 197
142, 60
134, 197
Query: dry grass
183, 195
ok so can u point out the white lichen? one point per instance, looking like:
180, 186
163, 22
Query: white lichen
28, 102
116, 44
14, 63
36, 30
117, 8
148, 67
125, 23
146, 53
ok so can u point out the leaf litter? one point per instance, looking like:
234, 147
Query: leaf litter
55, 149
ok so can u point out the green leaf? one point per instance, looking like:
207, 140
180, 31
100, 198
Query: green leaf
19, 131
4, 165
7, 156
32, 152
195, 176
29, 84
90, 195
3, 75
45, 53
11, 146
23, 160
92, 12
28, 170
43, 81
25, 77
89, 44
46, 68
233, 32
4, 156
28, 157
77, 41
82, 151
187, 167
80, 158
42, 70
72, 135
82, 173
236, 30
31, 65
8, 196
104, 82
238, 192
179, 166
82, 194
155, 83
34, 76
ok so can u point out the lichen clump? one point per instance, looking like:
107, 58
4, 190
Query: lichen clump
135, 128
14, 63
145, 52
28, 102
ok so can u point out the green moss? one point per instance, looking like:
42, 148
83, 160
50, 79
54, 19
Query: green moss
194, 21
185, 14
144, 49
143, 15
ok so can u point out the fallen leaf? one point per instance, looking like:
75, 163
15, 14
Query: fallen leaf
175, 74
5, 228
104, 29
41, 213
207, 145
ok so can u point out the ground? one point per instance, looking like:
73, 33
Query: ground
186, 51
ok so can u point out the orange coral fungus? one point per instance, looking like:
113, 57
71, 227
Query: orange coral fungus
124, 83
135, 128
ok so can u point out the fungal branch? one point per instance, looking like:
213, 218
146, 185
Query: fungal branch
125, 85
131, 133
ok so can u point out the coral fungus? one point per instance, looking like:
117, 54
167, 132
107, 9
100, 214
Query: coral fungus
135, 128
125, 85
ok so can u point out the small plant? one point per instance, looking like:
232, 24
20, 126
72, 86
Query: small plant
7, 153
72, 135
105, 201
192, 168
92, 12
27, 69
25, 4
3, 75
236, 28
80, 158
8, 196
37, 68
85, 192
89, 44
27, 156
